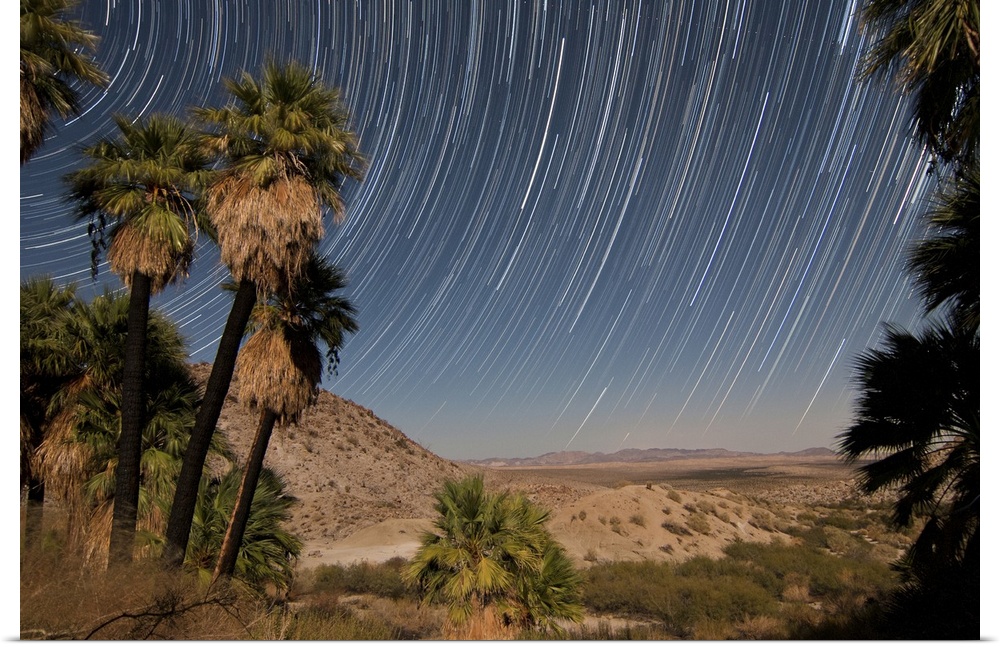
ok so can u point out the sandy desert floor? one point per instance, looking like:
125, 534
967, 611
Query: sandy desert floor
669, 510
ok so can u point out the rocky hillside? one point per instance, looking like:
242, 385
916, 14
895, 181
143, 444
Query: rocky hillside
348, 468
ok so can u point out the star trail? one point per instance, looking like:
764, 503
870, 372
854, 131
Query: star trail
585, 225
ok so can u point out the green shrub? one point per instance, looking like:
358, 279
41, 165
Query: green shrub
675, 528
679, 601
742, 595
843, 522
698, 522
706, 507
328, 621
383, 580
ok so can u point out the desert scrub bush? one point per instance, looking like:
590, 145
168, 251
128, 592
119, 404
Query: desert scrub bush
637, 520
605, 631
806, 517
698, 522
631, 588
324, 620
706, 506
846, 544
602, 519
61, 598
582, 515
616, 525
679, 601
674, 496
665, 510
843, 521
760, 628
675, 528
383, 580
827, 574
690, 507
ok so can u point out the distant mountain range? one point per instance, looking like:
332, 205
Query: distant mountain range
631, 456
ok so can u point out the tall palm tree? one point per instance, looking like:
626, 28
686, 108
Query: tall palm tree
946, 264
143, 181
494, 562
46, 370
918, 418
932, 47
53, 56
280, 369
286, 149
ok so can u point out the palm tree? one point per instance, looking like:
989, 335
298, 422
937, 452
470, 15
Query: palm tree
52, 57
286, 150
494, 562
46, 370
946, 265
554, 593
267, 550
77, 457
143, 181
918, 419
280, 369
932, 47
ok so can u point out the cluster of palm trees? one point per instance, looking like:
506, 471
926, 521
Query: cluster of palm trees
254, 175
917, 416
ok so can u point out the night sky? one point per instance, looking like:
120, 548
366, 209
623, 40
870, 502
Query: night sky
585, 225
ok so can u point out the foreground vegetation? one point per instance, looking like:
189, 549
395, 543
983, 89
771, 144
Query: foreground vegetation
804, 590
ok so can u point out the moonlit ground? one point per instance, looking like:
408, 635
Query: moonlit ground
585, 226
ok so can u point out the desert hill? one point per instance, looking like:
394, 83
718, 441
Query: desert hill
348, 468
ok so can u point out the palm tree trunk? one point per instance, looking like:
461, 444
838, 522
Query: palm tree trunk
244, 497
186, 496
133, 413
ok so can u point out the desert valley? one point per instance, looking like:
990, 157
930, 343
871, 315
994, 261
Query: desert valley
366, 491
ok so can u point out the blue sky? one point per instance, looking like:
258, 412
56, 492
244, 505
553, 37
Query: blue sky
584, 225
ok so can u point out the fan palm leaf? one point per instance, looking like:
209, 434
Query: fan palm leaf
946, 263
267, 550
917, 418
932, 48
54, 54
